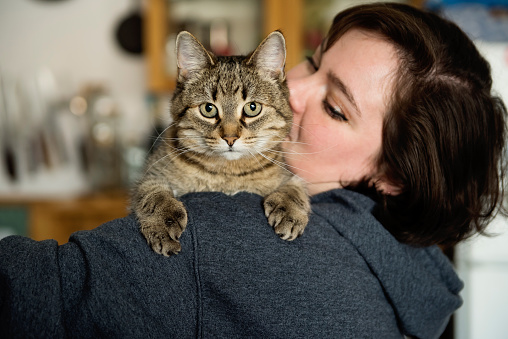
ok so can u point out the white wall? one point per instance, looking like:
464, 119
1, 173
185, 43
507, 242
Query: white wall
75, 40
483, 265
482, 262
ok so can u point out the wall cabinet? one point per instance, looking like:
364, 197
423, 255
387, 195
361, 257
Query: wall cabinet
276, 14
290, 16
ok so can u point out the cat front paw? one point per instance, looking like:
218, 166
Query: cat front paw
164, 224
287, 214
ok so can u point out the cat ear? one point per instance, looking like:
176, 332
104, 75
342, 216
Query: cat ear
270, 56
191, 56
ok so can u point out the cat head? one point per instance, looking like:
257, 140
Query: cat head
231, 106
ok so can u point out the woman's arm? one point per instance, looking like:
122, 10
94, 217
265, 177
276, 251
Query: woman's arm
30, 290
346, 276
102, 283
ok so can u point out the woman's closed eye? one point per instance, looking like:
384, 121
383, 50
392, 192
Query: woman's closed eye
312, 63
334, 112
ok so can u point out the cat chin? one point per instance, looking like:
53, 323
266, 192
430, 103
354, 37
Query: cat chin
232, 155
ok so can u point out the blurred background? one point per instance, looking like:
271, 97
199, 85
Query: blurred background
84, 91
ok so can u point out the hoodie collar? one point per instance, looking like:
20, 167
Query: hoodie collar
420, 283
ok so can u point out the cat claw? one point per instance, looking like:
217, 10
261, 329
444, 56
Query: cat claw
164, 245
285, 216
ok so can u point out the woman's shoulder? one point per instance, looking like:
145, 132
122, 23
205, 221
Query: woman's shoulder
243, 273
417, 280
344, 260
252, 283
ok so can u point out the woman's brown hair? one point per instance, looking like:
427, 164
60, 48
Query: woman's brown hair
444, 132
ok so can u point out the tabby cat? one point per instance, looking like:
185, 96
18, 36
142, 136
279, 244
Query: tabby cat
230, 115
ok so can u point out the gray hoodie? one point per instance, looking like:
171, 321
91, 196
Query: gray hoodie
346, 277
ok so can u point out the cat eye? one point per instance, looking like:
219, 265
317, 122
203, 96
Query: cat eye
208, 110
252, 109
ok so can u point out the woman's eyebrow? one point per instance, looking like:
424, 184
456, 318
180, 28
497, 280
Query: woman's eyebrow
335, 80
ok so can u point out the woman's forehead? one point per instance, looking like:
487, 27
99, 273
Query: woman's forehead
366, 64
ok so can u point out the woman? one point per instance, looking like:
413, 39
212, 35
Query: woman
361, 120
419, 125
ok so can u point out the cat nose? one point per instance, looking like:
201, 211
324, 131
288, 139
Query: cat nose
230, 139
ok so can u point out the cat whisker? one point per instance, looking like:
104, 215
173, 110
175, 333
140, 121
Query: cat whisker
176, 152
160, 136
254, 156
292, 169
308, 153
165, 139
287, 153
186, 146
296, 142
285, 165
276, 162
282, 165
304, 143
184, 138
303, 128
155, 163
268, 137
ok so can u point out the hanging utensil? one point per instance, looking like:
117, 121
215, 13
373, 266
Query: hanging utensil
7, 143
129, 32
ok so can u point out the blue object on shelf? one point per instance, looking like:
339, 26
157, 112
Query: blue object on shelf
440, 3
477, 18
13, 221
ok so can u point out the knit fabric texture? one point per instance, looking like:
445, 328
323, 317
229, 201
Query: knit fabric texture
345, 277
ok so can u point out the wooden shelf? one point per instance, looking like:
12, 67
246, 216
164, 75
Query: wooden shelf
59, 218
285, 15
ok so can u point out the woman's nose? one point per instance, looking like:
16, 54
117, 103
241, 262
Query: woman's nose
301, 92
296, 95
